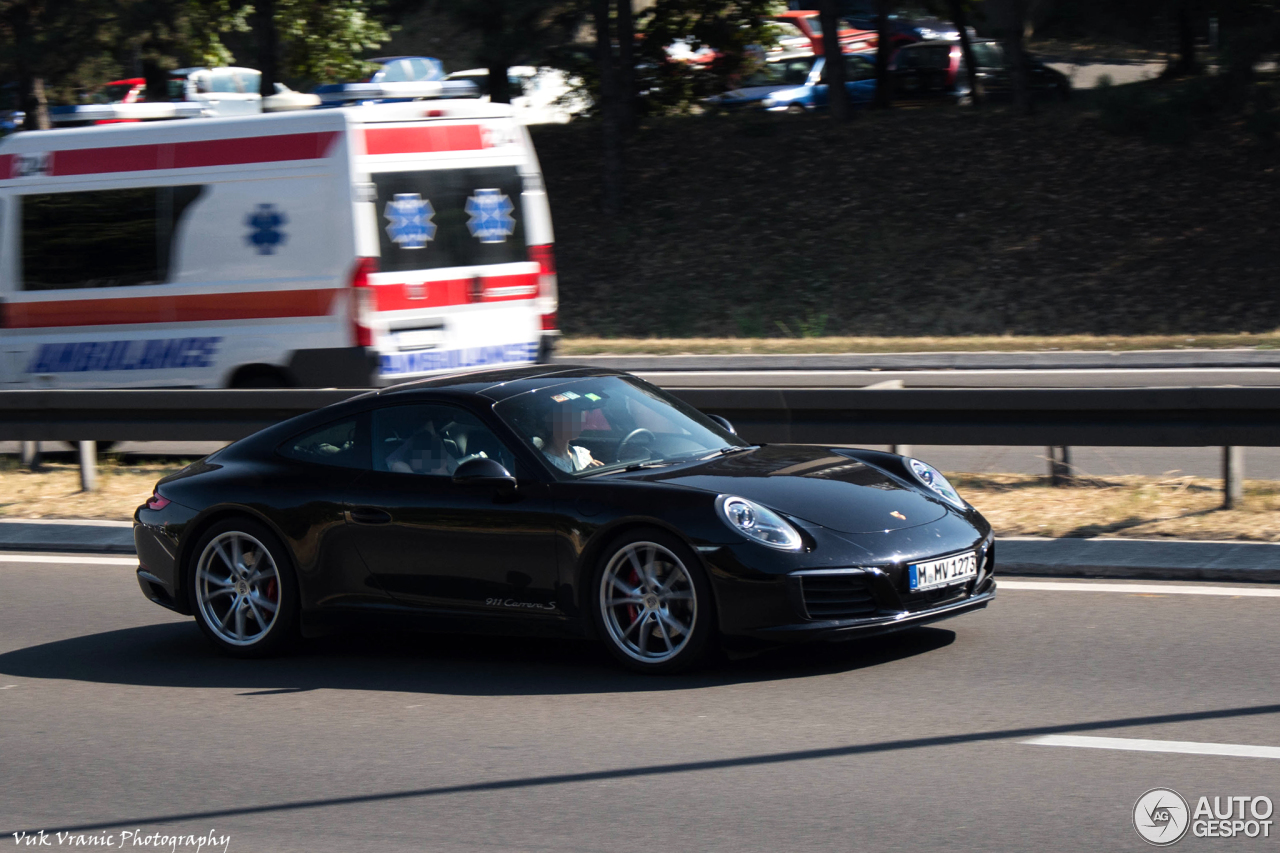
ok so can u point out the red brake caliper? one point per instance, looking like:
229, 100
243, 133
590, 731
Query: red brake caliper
632, 610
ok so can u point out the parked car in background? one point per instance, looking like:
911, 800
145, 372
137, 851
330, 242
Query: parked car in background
406, 69
393, 73
860, 83
806, 21
777, 74
907, 23
11, 117
935, 69
538, 95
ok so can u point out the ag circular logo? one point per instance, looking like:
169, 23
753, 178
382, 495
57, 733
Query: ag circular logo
1161, 816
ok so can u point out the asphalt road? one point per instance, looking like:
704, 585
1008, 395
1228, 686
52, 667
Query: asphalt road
117, 716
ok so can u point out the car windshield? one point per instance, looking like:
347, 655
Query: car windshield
606, 423
782, 72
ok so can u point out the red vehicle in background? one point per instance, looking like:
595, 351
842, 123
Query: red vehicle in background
128, 91
809, 35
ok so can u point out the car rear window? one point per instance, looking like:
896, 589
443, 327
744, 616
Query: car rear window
437, 218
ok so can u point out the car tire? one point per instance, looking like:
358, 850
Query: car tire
796, 110
652, 603
237, 572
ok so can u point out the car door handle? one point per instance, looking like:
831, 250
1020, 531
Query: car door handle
369, 515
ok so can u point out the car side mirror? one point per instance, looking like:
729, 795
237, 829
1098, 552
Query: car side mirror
484, 472
724, 422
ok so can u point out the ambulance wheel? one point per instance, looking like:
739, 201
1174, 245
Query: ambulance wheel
264, 377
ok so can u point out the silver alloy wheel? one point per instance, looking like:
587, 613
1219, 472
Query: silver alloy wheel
648, 602
237, 588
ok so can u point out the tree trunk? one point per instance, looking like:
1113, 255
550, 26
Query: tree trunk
1185, 62
157, 89
833, 61
884, 49
626, 67
41, 104
611, 174
1017, 56
960, 19
495, 54
264, 25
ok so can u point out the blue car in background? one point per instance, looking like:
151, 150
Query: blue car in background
778, 74
860, 83
392, 69
799, 86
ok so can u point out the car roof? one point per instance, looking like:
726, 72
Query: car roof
499, 383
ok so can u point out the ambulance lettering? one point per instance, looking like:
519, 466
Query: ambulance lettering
157, 354
455, 359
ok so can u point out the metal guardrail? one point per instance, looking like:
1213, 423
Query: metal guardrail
1146, 417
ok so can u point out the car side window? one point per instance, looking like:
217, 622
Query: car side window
397, 72
858, 68
340, 443
432, 439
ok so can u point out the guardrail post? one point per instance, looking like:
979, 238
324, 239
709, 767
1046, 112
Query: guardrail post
1232, 476
1059, 465
31, 455
900, 449
88, 466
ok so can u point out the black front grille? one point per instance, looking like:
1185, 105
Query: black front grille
837, 596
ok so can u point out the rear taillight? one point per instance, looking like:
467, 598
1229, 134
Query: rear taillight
548, 286
157, 501
363, 302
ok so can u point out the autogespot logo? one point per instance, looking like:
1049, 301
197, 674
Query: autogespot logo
1161, 816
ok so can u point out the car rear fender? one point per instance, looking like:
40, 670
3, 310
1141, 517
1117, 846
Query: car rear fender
211, 516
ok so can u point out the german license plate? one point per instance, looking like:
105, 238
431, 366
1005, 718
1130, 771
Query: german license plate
944, 572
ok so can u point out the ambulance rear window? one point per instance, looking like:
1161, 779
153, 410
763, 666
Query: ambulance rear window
437, 218
101, 238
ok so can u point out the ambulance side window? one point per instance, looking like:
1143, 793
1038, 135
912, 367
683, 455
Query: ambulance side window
100, 238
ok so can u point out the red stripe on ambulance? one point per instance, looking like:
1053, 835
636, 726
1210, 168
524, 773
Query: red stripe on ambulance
192, 308
416, 140
192, 155
457, 291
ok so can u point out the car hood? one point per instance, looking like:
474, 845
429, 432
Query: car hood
811, 484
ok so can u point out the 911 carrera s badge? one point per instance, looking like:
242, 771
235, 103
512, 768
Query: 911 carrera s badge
898, 515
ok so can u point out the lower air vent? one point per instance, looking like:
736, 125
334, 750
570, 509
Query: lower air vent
837, 596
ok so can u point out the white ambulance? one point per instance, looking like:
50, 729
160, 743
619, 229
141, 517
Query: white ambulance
341, 247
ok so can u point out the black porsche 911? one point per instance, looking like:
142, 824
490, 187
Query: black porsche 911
555, 499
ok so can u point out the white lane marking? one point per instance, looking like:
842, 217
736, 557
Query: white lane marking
1143, 588
1185, 747
70, 559
7, 686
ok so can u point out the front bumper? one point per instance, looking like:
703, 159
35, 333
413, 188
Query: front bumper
847, 629
836, 602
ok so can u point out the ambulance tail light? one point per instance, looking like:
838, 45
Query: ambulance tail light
548, 286
363, 302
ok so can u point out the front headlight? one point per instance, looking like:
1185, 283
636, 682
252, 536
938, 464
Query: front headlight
768, 102
760, 523
934, 481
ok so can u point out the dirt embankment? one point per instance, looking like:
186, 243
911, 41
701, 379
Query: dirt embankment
916, 222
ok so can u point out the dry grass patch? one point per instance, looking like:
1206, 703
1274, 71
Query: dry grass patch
54, 490
572, 346
1125, 506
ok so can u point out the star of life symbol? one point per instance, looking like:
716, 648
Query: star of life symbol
491, 220
265, 224
409, 222
1161, 816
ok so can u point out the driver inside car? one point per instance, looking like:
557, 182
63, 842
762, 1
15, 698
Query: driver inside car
565, 423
